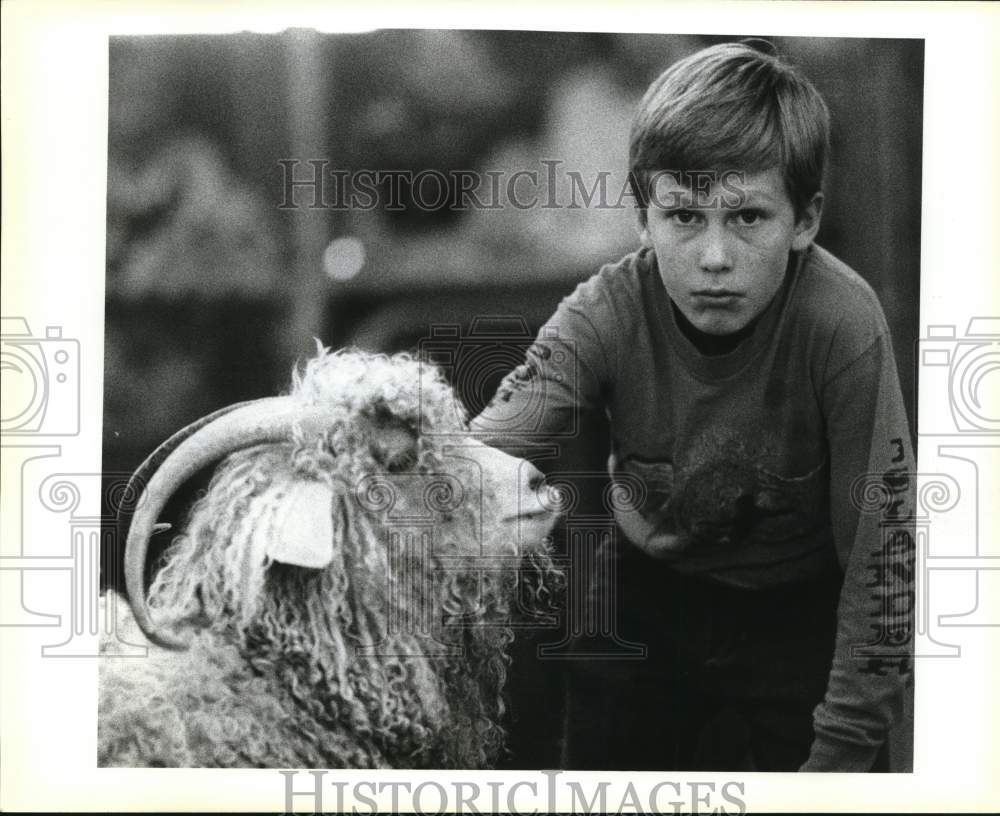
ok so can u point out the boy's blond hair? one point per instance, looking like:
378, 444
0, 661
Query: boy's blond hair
731, 107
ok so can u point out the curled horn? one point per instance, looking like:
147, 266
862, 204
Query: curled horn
137, 482
206, 441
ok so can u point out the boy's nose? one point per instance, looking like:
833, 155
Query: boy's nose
715, 255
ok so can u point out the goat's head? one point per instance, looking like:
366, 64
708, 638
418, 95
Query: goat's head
363, 468
353, 535
362, 483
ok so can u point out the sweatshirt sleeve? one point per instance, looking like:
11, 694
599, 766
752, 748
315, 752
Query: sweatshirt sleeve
564, 374
871, 505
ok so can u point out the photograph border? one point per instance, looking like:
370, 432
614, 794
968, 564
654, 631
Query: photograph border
55, 86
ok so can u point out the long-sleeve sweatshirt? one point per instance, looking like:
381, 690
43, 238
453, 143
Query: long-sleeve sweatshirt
772, 464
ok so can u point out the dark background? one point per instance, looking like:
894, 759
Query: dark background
214, 291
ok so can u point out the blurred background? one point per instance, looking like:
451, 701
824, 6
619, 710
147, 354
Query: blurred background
215, 289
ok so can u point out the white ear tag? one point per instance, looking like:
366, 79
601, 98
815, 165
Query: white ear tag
303, 527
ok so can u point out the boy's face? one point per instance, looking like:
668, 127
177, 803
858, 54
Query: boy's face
722, 252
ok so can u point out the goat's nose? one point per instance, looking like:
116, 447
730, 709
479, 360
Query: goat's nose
533, 490
519, 484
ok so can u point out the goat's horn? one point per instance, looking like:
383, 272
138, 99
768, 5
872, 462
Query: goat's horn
183, 455
137, 482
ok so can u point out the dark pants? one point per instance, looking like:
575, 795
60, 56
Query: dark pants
729, 683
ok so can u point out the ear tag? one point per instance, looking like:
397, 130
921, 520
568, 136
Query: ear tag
302, 534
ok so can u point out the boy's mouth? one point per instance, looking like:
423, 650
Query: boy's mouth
716, 297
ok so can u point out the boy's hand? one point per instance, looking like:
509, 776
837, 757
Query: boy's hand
656, 543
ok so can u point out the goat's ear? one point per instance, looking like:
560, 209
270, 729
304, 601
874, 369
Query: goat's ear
303, 529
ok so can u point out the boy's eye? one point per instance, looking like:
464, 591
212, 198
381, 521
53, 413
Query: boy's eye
748, 218
683, 216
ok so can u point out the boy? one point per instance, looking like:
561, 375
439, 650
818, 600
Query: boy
749, 380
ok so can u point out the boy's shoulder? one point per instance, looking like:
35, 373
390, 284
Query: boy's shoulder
620, 284
831, 304
610, 300
836, 305
831, 277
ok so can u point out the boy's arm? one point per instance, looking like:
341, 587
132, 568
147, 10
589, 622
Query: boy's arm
871, 503
563, 375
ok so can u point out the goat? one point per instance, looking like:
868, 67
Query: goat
341, 596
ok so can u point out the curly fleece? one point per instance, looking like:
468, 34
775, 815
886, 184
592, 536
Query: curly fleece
291, 667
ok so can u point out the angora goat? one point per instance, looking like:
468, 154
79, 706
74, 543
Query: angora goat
341, 596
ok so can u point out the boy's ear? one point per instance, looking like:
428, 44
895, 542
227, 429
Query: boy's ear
808, 223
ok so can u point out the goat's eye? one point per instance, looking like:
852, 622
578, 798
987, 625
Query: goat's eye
403, 461
395, 449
